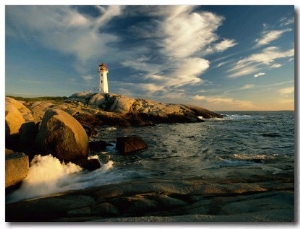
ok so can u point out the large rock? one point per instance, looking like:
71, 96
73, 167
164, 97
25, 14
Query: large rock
97, 100
108, 101
130, 144
16, 114
96, 146
63, 136
123, 104
16, 168
27, 135
13, 117
25, 112
38, 109
199, 111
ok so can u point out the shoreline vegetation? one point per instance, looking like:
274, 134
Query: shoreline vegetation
63, 126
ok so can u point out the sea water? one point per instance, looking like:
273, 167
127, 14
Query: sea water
183, 150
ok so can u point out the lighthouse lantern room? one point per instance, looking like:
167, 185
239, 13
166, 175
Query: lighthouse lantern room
103, 83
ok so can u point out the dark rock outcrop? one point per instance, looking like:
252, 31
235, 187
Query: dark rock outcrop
130, 144
62, 136
27, 135
96, 146
89, 164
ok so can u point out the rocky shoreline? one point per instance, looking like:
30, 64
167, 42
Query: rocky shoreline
254, 198
246, 195
63, 127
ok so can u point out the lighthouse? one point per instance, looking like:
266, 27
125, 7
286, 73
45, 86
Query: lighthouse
103, 83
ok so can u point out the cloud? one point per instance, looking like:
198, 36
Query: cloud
225, 44
150, 87
187, 71
269, 55
64, 29
269, 36
88, 77
276, 66
257, 61
108, 13
221, 46
286, 101
284, 21
286, 90
218, 100
179, 37
141, 89
185, 32
175, 40
179, 73
220, 64
259, 74
248, 86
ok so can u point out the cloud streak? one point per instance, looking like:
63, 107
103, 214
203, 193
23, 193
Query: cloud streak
286, 90
182, 39
269, 36
259, 74
257, 61
224, 101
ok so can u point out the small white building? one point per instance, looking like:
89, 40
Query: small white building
103, 83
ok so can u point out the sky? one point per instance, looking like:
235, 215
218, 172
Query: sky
220, 57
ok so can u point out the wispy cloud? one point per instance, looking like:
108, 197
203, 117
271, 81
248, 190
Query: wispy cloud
248, 86
276, 66
221, 64
221, 46
179, 38
284, 21
182, 38
269, 36
257, 61
286, 90
64, 29
224, 101
88, 77
259, 74
185, 33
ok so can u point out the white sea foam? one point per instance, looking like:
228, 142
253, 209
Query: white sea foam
47, 175
235, 117
254, 156
111, 128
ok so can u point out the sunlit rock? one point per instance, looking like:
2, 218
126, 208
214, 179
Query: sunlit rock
16, 168
63, 136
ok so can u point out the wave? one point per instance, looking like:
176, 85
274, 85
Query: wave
237, 117
47, 175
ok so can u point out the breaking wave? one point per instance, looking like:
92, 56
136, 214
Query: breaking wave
47, 175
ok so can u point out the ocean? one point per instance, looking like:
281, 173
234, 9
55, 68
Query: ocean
229, 148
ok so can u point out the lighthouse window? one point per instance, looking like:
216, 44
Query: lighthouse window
101, 81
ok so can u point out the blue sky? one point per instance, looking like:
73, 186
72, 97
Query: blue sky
218, 57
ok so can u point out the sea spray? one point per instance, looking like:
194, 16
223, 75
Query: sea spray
47, 175
44, 177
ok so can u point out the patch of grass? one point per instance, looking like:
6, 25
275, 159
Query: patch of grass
43, 98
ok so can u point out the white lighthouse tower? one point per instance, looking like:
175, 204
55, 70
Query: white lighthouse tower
103, 83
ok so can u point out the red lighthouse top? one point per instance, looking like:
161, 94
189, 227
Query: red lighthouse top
102, 67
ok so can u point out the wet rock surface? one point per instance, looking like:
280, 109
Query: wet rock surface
130, 144
257, 198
